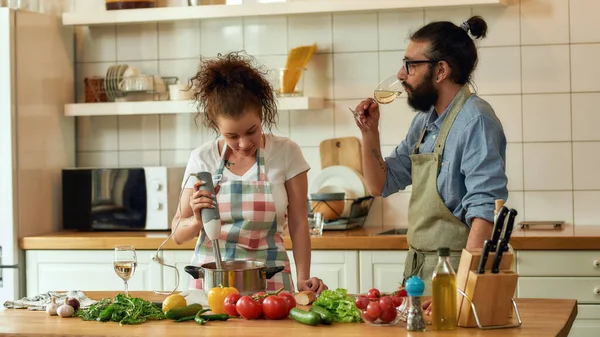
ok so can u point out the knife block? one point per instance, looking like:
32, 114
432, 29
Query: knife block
490, 293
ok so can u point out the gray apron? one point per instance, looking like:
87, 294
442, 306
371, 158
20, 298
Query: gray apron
430, 223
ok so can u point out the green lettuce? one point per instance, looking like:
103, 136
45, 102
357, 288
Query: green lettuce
340, 304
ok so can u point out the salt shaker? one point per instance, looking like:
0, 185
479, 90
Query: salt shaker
414, 288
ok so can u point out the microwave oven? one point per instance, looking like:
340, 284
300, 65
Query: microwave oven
127, 199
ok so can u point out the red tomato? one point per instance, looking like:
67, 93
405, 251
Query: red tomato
259, 296
366, 317
361, 302
289, 298
248, 308
388, 315
397, 300
373, 293
275, 307
401, 292
230, 302
386, 302
373, 309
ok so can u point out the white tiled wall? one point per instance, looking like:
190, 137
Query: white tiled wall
537, 69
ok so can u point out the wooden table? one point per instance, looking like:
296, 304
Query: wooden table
541, 317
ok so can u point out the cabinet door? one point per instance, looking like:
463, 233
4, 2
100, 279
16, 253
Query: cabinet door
587, 323
583, 289
178, 259
86, 270
381, 269
338, 269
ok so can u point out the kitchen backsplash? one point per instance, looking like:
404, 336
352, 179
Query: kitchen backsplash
536, 69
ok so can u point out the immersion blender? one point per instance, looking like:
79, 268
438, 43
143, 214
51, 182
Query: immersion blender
211, 218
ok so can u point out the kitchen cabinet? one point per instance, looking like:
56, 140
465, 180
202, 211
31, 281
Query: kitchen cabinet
381, 269
86, 270
337, 268
564, 274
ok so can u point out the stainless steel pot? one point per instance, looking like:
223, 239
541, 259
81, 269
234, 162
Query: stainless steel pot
248, 277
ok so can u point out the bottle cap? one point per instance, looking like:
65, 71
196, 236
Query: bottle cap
415, 286
443, 251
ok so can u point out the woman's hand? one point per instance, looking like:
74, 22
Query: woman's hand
313, 284
367, 117
201, 199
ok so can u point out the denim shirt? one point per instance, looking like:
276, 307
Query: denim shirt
472, 174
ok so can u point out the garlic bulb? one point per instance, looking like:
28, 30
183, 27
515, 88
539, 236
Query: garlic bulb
65, 310
52, 307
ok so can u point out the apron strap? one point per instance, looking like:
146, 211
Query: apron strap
460, 99
260, 161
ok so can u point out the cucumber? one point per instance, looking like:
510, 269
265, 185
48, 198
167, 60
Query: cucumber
326, 316
190, 310
305, 317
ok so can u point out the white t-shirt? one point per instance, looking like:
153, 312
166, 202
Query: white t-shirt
283, 161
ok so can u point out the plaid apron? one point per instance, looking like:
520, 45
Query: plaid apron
248, 226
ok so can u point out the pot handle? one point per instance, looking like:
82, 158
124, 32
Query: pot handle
196, 272
270, 271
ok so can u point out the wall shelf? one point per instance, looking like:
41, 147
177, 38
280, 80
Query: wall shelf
285, 8
173, 107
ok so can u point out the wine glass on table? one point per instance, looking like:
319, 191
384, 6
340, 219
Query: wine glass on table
124, 263
385, 93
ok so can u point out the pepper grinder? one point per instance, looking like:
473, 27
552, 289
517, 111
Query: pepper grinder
414, 289
211, 218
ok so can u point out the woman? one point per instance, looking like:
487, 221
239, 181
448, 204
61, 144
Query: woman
268, 172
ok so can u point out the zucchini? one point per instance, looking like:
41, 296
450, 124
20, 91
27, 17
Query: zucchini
190, 310
326, 316
305, 317
215, 317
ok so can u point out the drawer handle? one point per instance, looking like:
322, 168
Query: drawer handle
596, 263
597, 290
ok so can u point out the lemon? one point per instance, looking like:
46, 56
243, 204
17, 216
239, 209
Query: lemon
175, 301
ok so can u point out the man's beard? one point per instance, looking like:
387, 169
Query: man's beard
424, 96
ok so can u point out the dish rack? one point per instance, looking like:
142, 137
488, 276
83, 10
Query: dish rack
359, 210
116, 87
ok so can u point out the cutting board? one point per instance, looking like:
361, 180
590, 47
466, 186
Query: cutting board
344, 151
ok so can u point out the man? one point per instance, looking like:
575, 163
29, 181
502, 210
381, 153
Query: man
453, 154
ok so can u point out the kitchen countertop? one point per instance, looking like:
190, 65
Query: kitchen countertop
540, 317
569, 238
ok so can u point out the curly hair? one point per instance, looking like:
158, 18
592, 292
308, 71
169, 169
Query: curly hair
229, 85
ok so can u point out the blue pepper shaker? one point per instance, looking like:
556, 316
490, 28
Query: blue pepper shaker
414, 289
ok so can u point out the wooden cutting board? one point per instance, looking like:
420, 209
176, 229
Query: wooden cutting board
344, 151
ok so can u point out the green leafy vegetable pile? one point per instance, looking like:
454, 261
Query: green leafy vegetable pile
122, 309
340, 304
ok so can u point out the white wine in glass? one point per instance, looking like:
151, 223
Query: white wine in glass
388, 89
124, 263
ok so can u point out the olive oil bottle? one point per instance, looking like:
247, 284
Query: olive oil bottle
443, 287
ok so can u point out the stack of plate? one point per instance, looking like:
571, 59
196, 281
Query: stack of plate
340, 179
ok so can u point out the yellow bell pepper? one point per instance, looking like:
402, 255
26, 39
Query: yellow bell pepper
216, 298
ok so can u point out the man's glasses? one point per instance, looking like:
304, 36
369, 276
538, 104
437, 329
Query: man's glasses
409, 65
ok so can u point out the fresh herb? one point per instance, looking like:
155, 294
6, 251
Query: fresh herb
122, 309
340, 304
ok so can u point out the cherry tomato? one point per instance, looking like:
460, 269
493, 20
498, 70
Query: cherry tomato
397, 300
373, 293
230, 302
248, 308
361, 302
289, 298
401, 292
388, 315
275, 307
386, 302
373, 309
366, 317
259, 296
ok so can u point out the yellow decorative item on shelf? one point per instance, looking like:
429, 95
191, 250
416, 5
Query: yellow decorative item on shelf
297, 59
174, 301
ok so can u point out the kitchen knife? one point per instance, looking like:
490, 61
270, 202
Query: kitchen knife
502, 245
498, 226
487, 246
